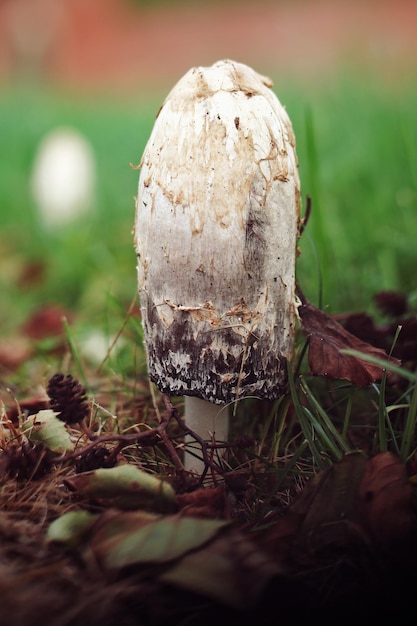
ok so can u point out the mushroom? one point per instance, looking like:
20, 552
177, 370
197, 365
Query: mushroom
217, 220
63, 178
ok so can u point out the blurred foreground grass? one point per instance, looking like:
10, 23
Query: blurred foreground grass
356, 143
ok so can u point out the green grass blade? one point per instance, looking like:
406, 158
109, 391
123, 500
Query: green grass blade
383, 418
319, 234
348, 412
412, 377
335, 436
408, 438
75, 354
289, 467
304, 422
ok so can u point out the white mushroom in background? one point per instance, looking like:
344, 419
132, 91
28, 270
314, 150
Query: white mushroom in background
63, 178
216, 233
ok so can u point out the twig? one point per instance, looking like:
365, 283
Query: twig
205, 448
152, 437
306, 217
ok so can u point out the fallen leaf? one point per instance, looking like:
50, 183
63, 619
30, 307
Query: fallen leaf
120, 539
70, 529
14, 352
46, 322
46, 428
391, 303
386, 499
26, 407
230, 569
125, 486
406, 346
326, 514
327, 339
362, 326
206, 502
33, 273
356, 502
207, 557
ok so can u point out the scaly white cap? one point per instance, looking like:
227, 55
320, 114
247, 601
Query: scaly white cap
216, 232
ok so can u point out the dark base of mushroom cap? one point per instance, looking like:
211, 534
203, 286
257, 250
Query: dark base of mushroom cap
182, 362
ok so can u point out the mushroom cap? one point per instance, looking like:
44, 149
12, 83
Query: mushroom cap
63, 177
216, 230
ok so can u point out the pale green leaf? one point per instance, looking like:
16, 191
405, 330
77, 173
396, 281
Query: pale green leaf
132, 538
71, 528
46, 428
124, 486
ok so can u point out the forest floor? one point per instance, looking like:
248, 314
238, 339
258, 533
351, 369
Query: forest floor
346, 545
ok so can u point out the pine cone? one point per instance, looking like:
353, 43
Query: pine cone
25, 461
95, 459
67, 398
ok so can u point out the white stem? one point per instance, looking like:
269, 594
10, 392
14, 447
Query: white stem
209, 421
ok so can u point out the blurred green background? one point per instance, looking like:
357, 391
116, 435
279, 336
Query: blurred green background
103, 68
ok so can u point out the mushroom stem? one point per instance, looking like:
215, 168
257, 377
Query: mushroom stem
207, 420
217, 219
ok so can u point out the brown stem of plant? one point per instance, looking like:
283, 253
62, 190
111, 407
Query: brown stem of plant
170, 412
84, 429
306, 217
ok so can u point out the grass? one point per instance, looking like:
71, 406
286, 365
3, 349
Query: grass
356, 159
88, 262
356, 146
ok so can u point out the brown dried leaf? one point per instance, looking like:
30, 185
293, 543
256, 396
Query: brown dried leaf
362, 326
231, 569
46, 322
33, 273
386, 499
329, 505
406, 346
392, 303
357, 502
207, 503
205, 556
333, 490
327, 339
28, 407
14, 352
